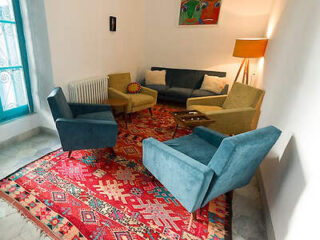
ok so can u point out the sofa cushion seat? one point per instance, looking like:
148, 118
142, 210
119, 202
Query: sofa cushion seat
194, 147
202, 93
140, 99
206, 109
106, 115
179, 92
159, 88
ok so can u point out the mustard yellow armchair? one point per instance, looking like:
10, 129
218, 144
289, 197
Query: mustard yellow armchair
117, 88
235, 113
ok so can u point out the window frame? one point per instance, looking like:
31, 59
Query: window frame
29, 108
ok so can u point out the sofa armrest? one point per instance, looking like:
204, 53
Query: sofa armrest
187, 179
83, 108
211, 136
150, 92
142, 82
225, 90
86, 134
212, 100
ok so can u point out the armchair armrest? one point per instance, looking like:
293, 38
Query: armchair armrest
187, 179
236, 113
150, 92
86, 134
212, 100
211, 136
233, 121
83, 108
114, 93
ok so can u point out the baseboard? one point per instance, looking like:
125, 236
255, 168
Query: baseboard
49, 131
266, 209
31, 133
20, 137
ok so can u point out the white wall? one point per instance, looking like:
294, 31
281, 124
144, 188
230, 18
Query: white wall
202, 47
292, 103
82, 45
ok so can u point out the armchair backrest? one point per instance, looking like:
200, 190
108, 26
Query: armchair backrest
119, 81
242, 95
237, 158
58, 104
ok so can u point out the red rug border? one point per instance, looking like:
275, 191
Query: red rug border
25, 213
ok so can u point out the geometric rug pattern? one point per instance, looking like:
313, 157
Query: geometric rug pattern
98, 195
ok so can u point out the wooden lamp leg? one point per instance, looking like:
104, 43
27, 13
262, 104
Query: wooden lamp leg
247, 72
239, 71
244, 72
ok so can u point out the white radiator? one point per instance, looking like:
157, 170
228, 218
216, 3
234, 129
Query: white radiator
93, 90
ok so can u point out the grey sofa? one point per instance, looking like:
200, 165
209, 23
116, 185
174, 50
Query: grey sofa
182, 84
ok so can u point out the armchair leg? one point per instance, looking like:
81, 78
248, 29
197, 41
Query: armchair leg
130, 117
194, 215
150, 111
69, 154
112, 151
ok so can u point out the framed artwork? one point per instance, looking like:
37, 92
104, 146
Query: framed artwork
199, 12
113, 24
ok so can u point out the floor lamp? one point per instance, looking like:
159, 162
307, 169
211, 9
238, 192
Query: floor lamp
247, 48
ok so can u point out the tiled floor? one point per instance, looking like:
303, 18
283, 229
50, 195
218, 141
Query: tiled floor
247, 211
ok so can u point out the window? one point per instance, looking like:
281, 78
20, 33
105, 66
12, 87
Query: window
15, 91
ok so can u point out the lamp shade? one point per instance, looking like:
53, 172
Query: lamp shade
250, 47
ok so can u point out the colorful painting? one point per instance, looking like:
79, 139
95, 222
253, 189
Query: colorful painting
199, 12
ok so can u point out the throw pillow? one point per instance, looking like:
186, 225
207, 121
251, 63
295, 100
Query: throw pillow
155, 77
133, 87
213, 83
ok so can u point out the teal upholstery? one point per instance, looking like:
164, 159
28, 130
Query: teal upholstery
204, 149
82, 126
105, 115
200, 167
58, 102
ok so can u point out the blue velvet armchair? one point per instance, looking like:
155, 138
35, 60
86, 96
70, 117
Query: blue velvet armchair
82, 126
205, 164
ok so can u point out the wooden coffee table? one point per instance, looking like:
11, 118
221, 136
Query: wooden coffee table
118, 103
190, 119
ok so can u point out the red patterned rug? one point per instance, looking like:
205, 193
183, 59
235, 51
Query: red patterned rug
97, 195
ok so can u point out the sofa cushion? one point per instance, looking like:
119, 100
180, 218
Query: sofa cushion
106, 115
194, 147
206, 109
179, 92
202, 93
213, 83
155, 77
134, 87
140, 99
159, 88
